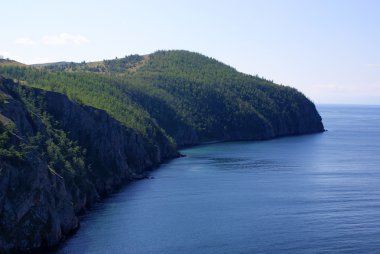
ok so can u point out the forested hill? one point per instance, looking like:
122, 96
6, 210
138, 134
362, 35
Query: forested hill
185, 96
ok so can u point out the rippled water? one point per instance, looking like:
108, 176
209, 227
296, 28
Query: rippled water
306, 194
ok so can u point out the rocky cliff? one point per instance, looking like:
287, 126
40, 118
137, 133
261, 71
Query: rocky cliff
57, 158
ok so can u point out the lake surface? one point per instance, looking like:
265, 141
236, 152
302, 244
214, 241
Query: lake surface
305, 194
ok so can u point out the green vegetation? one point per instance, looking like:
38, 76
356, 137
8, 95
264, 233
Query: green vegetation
7, 148
63, 155
169, 90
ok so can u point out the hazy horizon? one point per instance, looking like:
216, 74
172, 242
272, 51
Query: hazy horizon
326, 49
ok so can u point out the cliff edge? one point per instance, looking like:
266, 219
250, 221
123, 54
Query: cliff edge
58, 157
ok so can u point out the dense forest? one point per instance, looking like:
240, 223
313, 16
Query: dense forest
173, 91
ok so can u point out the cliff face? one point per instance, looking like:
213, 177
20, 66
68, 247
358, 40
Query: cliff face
112, 148
40, 199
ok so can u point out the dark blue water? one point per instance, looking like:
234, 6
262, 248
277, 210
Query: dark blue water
306, 194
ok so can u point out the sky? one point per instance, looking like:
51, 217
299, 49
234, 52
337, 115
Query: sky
327, 49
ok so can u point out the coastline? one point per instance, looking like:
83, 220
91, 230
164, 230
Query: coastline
53, 249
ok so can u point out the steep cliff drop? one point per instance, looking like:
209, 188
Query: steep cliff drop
58, 157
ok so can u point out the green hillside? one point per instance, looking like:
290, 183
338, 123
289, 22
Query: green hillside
183, 95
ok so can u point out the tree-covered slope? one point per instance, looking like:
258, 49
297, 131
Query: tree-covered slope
183, 95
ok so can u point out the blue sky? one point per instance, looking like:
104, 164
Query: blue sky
329, 50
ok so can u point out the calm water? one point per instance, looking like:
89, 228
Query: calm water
307, 194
